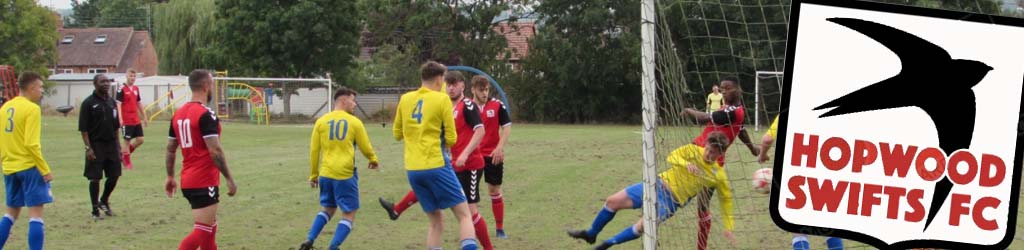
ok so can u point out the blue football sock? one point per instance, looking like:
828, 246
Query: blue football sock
800, 243
318, 225
602, 219
834, 243
5, 229
35, 234
630, 233
469, 244
344, 227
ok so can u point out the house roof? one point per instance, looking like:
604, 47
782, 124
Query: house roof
135, 45
83, 51
518, 36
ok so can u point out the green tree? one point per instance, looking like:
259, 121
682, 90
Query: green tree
124, 13
28, 36
290, 38
583, 65
86, 13
187, 36
452, 32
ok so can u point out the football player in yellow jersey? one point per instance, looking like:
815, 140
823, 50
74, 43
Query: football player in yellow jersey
799, 240
693, 169
332, 156
425, 121
26, 174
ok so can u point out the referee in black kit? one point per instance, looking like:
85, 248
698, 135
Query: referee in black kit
100, 129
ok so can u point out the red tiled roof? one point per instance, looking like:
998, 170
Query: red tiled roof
83, 51
136, 45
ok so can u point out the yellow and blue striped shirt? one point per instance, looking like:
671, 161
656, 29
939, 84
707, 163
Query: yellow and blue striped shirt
332, 152
19, 139
425, 121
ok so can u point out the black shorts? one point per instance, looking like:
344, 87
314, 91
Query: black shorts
132, 131
470, 181
493, 173
201, 197
102, 166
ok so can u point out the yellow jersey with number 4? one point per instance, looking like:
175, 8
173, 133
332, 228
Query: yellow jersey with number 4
424, 119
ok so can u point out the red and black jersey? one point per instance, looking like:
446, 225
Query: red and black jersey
494, 115
729, 121
129, 98
467, 121
192, 123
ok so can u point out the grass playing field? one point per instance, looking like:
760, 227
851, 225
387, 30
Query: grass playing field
556, 179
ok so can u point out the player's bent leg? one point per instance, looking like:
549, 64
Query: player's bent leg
800, 242
344, 228
628, 198
466, 231
35, 228
703, 218
319, 222
435, 229
136, 143
834, 243
202, 235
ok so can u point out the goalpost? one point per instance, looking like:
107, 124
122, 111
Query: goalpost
767, 94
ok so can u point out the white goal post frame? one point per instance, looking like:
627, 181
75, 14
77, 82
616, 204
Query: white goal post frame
757, 95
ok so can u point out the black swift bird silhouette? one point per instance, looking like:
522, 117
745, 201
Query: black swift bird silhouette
930, 79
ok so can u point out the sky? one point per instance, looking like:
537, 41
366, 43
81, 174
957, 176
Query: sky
55, 4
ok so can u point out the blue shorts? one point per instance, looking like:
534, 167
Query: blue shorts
27, 189
436, 188
342, 194
667, 204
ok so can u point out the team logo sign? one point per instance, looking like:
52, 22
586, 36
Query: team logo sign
900, 126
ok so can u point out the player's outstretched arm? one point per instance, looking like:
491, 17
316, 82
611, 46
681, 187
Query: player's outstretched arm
745, 138
700, 117
364, 144
314, 155
726, 202
172, 151
217, 154
397, 125
766, 144
33, 131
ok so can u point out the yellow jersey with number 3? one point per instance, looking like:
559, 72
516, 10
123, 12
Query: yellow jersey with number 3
21, 124
424, 119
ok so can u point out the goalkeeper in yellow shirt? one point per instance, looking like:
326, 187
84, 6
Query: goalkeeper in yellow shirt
693, 169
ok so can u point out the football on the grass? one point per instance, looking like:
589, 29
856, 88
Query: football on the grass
762, 181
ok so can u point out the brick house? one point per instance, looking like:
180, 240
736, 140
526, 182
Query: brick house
105, 50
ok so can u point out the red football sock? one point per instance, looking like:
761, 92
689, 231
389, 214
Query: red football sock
481, 232
406, 202
211, 242
201, 233
704, 224
131, 148
498, 207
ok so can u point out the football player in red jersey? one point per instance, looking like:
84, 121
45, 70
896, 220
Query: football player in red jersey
196, 130
729, 121
133, 116
498, 126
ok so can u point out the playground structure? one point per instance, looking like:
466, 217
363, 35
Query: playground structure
10, 83
255, 97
